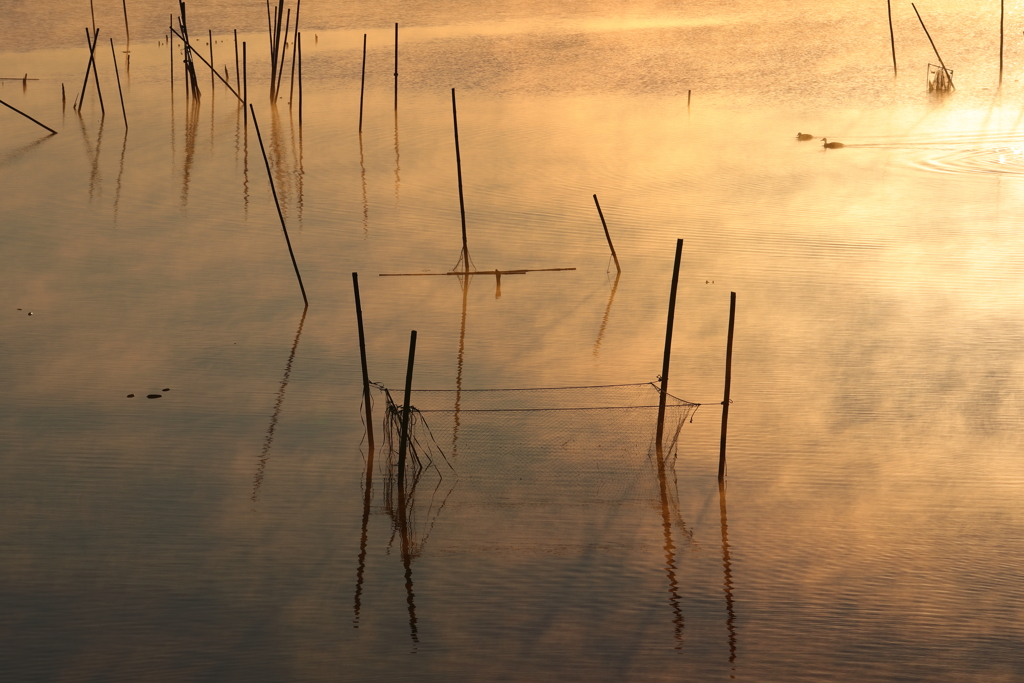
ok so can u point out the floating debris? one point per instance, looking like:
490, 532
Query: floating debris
131, 395
154, 395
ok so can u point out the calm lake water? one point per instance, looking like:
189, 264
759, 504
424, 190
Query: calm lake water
871, 521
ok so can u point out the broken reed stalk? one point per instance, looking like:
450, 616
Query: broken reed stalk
119, 93
666, 362
892, 38
29, 117
728, 384
935, 49
607, 236
295, 49
270, 177
362, 358
90, 66
462, 204
362, 86
396, 66
203, 60
404, 438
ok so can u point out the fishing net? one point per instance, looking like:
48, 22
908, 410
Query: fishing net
537, 456
940, 79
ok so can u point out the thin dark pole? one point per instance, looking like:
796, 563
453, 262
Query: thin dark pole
298, 39
892, 38
362, 86
462, 203
607, 236
88, 67
127, 36
295, 48
283, 59
170, 43
270, 177
238, 75
405, 412
245, 86
668, 341
362, 358
63, 98
213, 70
728, 384
396, 66
95, 73
1002, 15
119, 93
29, 117
935, 49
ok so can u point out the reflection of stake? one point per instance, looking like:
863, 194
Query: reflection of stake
269, 440
670, 548
727, 573
668, 342
270, 177
458, 376
608, 310
403, 529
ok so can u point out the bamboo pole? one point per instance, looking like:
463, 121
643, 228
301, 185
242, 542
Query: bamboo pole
127, 35
119, 93
396, 66
214, 70
238, 75
270, 177
95, 72
462, 204
728, 385
668, 342
283, 58
362, 86
1002, 15
170, 43
892, 38
404, 438
295, 49
245, 87
90, 66
935, 49
298, 39
362, 358
29, 117
607, 236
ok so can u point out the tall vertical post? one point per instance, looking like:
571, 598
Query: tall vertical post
404, 437
362, 358
607, 236
892, 37
213, 69
298, 40
462, 204
396, 66
668, 342
238, 74
127, 35
728, 383
362, 86
1002, 16
245, 86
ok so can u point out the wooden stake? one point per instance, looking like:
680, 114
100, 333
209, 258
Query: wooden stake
95, 73
298, 39
462, 204
362, 358
238, 75
668, 342
29, 117
935, 49
1002, 14
396, 66
892, 38
119, 93
295, 48
728, 384
63, 98
90, 66
213, 71
403, 443
270, 177
245, 87
362, 86
127, 36
607, 236
170, 43
281, 61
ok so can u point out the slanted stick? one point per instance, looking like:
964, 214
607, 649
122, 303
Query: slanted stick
119, 93
29, 117
362, 86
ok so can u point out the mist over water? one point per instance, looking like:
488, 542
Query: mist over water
870, 523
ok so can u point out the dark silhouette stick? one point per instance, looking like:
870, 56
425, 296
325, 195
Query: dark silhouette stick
728, 385
404, 438
89, 66
362, 86
295, 49
607, 236
203, 60
892, 38
238, 75
668, 342
29, 117
127, 36
119, 93
935, 49
362, 358
462, 204
270, 177
396, 66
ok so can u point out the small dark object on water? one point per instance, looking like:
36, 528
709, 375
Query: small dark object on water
831, 145
167, 389
30, 312
154, 395
131, 395
804, 136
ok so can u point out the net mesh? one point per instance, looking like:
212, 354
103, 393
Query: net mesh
532, 451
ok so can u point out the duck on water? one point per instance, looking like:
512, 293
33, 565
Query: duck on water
831, 145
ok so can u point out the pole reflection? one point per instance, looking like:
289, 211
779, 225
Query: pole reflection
730, 620
607, 312
269, 439
670, 549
